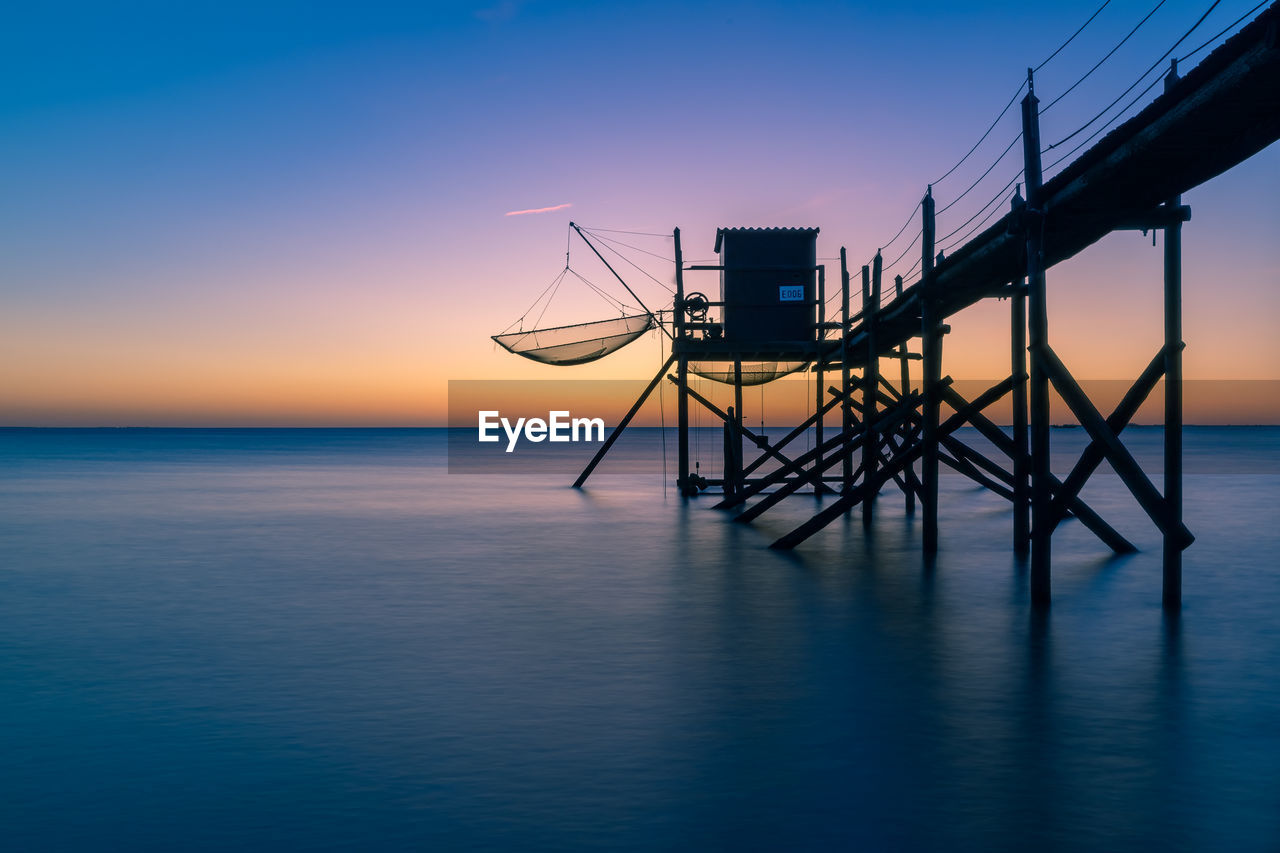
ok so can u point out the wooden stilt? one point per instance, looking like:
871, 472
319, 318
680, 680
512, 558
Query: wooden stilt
931, 343
737, 421
1172, 592
846, 420
908, 473
818, 384
1018, 369
1038, 332
732, 453
871, 383
683, 483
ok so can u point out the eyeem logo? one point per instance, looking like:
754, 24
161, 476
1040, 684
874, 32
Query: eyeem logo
558, 427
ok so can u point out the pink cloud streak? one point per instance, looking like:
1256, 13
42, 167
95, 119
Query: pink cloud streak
537, 210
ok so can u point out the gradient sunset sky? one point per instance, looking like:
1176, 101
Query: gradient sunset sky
295, 214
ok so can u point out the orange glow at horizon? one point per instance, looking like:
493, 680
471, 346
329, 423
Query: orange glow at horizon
219, 249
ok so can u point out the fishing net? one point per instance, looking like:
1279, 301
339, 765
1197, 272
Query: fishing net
577, 344
753, 372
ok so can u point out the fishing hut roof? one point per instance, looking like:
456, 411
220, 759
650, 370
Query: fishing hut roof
720, 232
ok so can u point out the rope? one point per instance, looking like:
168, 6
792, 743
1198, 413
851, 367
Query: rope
621, 306
554, 283
1108, 124
549, 298
1142, 77
1230, 26
1073, 35
1021, 86
974, 230
1103, 59
987, 133
620, 231
910, 218
633, 264
618, 242
911, 246
1003, 154
965, 224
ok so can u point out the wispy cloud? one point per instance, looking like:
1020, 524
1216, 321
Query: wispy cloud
537, 210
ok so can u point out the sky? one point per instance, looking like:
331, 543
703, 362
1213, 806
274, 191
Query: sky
296, 214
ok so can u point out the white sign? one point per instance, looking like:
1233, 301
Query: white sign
791, 293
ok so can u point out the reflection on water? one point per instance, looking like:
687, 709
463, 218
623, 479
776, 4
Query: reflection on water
321, 640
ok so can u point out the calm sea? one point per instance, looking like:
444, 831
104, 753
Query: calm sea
322, 640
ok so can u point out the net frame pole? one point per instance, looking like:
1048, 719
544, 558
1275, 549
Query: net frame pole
593, 248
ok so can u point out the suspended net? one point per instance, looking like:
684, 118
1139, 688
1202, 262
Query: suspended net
577, 344
753, 372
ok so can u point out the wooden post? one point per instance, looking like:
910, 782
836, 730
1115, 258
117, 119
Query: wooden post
682, 374
737, 422
1018, 352
1018, 370
871, 385
1038, 332
846, 411
732, 453
1172, 594
818, 386
931, 344
909, 472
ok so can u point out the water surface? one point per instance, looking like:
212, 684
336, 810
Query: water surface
321, 640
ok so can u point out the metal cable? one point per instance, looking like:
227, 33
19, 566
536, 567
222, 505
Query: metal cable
1224, 31
1073, 35
1103, 59
1142, 77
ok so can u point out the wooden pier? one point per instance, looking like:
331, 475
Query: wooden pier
1222, 112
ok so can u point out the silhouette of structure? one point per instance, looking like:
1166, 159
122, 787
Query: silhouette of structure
772, 313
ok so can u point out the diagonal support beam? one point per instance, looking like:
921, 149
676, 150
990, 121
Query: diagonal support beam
793, 435
759, 441
842, 504
887, 420
622, 424
1119, 419
779, 474
1090, 519
965, 467
1116, 453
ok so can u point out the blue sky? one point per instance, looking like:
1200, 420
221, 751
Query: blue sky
296, 212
